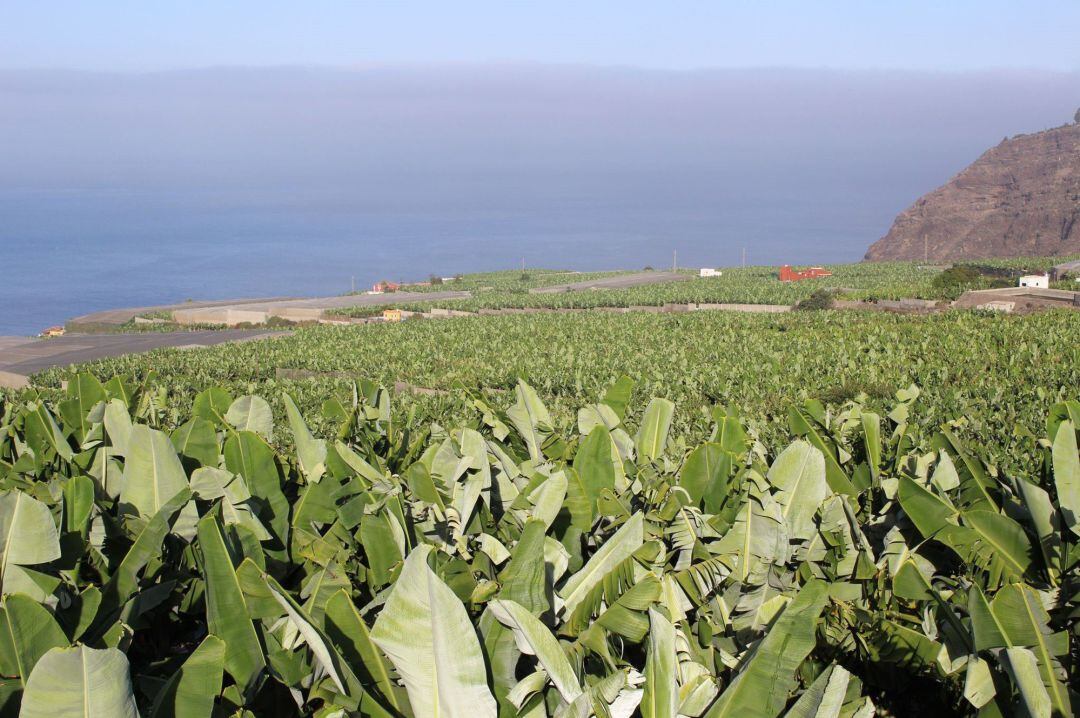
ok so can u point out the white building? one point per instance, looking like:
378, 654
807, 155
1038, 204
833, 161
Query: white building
1038, 281
709, 272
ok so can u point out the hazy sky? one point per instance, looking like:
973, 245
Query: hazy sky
673, 34
152, 151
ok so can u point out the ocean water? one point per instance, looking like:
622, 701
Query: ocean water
133, 189
68, 252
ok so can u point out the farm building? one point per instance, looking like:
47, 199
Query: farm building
385, 287
392, 315
709, 272
57, 331
787, 274
1038, 281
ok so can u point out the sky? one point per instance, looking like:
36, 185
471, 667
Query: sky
939, 35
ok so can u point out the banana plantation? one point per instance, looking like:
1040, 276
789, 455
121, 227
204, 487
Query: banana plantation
217, 561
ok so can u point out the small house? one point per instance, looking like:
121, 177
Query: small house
787, 274
709, 272
56, 331
1036, 281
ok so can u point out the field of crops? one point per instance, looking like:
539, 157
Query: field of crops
166, 559
997, 374
701, 515
751, 285
513, 280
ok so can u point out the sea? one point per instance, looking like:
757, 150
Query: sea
136, 189
66, 252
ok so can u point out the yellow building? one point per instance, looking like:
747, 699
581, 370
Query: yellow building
392, 315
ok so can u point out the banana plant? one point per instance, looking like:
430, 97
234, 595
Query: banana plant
208, 562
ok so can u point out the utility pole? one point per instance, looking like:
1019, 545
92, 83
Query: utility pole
925, 249
354, 284
674, 259
744, 256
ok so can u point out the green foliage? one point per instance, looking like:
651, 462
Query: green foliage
820, 299
957, 276
994, 374
170, 562
867, 281
955, 280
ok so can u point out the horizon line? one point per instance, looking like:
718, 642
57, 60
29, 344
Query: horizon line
369, 66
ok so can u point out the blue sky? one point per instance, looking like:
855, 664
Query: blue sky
675, 34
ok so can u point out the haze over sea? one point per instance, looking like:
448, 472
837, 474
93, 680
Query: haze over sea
124, 189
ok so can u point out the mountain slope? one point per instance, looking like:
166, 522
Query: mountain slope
1020, 198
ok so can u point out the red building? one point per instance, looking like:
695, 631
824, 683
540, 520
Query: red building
385, 286
787, 274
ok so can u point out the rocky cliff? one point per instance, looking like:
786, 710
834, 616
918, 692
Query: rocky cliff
1020, 198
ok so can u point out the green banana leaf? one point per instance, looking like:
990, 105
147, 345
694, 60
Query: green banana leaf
1023, 667
226, 614
350, 635
593, 471
191, 691
1067, 474
1016, 618
798, 474
534, 639
27, 632
825, 697
28, 533
655, 425
766, 677
153, 473
426, 633
661, 696
252, 413
531, 419
310, 451
628, 539
80, 682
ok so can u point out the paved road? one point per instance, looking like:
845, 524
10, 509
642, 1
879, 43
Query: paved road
619, 281
348, 300
122, 316
270, 305
21, 357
